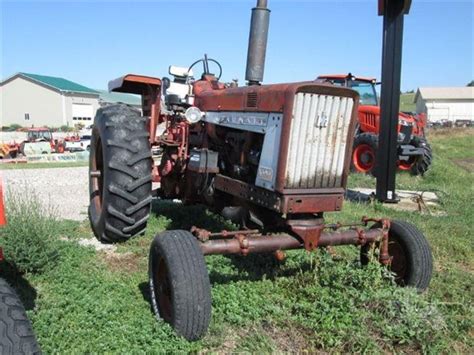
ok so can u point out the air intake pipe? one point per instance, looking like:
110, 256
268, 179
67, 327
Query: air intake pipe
257, 43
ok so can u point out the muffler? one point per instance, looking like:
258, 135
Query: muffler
257, 43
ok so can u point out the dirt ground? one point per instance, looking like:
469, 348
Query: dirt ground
63, 189
467, 164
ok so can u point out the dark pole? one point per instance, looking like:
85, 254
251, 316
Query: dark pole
393, 12
258, 37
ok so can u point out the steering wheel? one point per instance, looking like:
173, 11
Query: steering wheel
205, 64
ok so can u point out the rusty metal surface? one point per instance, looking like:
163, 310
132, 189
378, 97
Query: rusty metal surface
335, 191
151, 106
253, 194
303, 203
204, 235
311, 203
269, 98
255, 245
321, 89
280, 255
310, 233
318, 139
212, 97
134, 84
273, 243
385, 224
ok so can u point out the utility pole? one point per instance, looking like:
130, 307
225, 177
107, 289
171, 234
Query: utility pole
393, 12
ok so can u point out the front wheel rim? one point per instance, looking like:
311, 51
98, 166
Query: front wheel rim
399, 261
405, 165
163, 292
97, 176
364, 158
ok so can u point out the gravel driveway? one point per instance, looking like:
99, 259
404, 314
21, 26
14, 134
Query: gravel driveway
65, 189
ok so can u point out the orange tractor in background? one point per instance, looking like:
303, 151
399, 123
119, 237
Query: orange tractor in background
39, 140
37, 136
414, 152
8, 150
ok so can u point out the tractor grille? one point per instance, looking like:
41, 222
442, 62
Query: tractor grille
318, 140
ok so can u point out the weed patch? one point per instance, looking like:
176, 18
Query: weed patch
29, 240
123, 262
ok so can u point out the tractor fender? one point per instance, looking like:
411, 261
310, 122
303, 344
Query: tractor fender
135, 84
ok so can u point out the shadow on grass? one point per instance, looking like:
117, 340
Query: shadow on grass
253, 267
23, 288
182, 216
256, 267
144, 288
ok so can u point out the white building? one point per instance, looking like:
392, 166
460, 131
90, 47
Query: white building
32, 100
446, 103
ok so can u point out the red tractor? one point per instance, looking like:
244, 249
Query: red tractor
271, 158
36, 140
414, 152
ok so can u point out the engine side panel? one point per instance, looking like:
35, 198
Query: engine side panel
268, 165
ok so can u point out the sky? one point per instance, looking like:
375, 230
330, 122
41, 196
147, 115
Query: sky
92, 42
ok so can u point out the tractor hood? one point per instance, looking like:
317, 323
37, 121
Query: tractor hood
375, 110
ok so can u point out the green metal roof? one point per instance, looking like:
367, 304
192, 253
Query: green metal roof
116, 97
60, 84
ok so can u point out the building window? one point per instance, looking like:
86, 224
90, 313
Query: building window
27, 116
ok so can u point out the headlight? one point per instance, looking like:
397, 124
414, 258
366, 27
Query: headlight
193, 115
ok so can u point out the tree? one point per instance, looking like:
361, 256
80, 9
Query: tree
471, 83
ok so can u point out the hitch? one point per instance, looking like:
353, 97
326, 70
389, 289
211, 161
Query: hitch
384, 257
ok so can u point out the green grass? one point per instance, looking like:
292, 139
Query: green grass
75, 164
28, 217
406, 103
91, 302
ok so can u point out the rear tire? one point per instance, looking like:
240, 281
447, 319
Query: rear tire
16, 334
412, 262
119, 174
422, 162
179, 283
364, 153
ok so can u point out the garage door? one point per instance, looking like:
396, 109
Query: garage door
82, 112
438, 114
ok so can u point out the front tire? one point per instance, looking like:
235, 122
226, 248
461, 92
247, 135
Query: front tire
119, 174
179, 283
422, 162
364, 153
412, 262
16, 334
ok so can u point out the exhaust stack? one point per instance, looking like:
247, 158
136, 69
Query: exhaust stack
257, 43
